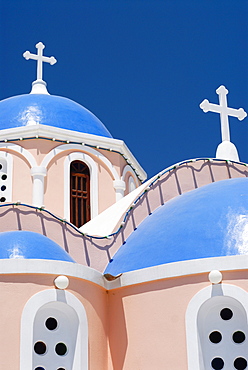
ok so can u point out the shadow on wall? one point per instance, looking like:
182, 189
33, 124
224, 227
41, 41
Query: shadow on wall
97, 252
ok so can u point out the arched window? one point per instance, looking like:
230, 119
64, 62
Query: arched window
54, 332
54, 336
5, 177
222, 328
79, 193
131, 184
217, 328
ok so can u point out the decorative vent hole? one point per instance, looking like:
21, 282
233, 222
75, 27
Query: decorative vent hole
51, 323
226, 314
40, 348
215, 337
240, 363
238, 337
61, 349
217, 363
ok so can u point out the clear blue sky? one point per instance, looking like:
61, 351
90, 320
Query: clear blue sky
142, 67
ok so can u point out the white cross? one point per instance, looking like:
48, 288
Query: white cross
40, 58
224, 111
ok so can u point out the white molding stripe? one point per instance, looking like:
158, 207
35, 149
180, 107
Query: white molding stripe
181, 268
160, 272
64, 135
127, 169
20, 150
76, 147
51, 267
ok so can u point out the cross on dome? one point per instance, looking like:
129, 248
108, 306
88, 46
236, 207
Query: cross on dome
226, 149
40, 58
39, 86
224, 111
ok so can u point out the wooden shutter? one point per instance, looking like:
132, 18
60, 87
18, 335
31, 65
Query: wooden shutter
80, 193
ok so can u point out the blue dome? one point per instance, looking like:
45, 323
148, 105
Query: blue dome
30, 245
207, 222
49, 110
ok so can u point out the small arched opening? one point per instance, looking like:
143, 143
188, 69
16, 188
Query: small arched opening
79, 193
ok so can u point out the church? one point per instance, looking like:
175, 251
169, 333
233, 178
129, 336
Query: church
102, 269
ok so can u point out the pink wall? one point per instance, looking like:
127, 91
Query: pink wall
15, 292
38, 147
151, 318
54, 195
134, 327
147, 321
22, 183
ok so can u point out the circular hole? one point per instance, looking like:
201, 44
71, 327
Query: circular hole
51, 323
3, 187
238, 337
217, 363
2, 199
61, 349
61, 368
40, 348
226, 314
39, 368
1, 166
240, 363
4, 177
215, 337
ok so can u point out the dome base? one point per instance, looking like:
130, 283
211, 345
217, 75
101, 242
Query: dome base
228, 151
39, 87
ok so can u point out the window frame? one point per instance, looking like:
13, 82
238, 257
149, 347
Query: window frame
195, 360
27, 321
91, 164
79, 195
8, 159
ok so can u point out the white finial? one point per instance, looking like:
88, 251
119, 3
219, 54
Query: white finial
39, 86
61, 282
215, 276
226, 150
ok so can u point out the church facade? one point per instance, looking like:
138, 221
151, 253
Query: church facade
103, 269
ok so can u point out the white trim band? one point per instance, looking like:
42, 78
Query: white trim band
166, 271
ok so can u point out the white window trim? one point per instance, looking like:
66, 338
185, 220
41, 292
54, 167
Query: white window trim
85, 151
131, 184
127, 169
28, 157
193, 349
76, 147
9, 160
20, 150
27, 321
83, 157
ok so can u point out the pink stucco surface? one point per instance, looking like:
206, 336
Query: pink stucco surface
54, 197
16, 289
147, 321
38, 147
140, 326
151, 318
22, 183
